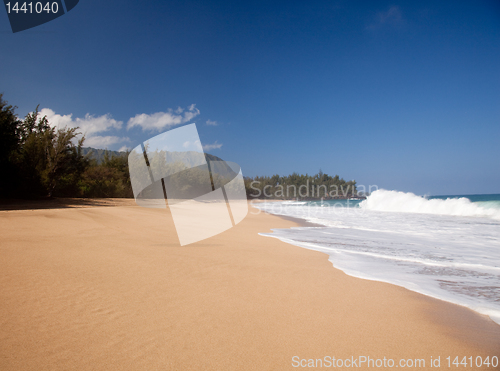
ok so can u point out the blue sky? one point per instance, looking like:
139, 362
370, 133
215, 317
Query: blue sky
401, 94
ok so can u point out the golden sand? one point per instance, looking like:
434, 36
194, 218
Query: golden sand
109, 288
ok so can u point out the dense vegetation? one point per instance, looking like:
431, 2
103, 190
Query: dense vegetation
37, 160
298, 186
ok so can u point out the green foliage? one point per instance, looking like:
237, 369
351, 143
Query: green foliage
99, 154
9, 142
37, 160
48, 162
110, 178
299, 186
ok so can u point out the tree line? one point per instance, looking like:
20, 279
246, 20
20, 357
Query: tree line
37, 160
299, 186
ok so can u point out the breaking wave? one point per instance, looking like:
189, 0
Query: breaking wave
384, 200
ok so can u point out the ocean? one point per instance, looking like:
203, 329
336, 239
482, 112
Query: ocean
446, 247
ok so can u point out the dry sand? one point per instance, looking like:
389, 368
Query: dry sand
109, 288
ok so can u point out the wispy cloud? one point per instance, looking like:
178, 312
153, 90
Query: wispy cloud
162, 120
104, 141
392, 17
99, 130
90, 126
212, 123
215, 145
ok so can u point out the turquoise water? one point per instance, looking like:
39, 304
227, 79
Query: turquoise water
473, 198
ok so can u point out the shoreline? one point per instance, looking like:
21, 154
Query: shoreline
299, 221
305, 223
110, 288
470, 317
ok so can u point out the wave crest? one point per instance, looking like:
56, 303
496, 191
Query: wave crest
395, 201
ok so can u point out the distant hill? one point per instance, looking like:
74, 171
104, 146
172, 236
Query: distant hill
98, 154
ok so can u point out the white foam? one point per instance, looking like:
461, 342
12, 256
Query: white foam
383, 200
440, 252
294, 202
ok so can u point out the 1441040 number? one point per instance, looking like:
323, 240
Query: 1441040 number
473, 362
28, 8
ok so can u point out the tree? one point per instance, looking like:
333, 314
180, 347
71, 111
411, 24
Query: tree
49, 162
108, 179
9, 142
317, 186
37, 160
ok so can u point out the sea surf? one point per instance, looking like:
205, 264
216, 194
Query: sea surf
446, 247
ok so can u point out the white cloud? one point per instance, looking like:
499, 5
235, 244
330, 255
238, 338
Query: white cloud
214, 145
124, 149
161, 120
97, 128
89, 126
212, 123
193, 146
393, 17
104, 141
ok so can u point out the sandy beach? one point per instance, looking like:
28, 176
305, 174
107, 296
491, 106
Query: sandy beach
108, 287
